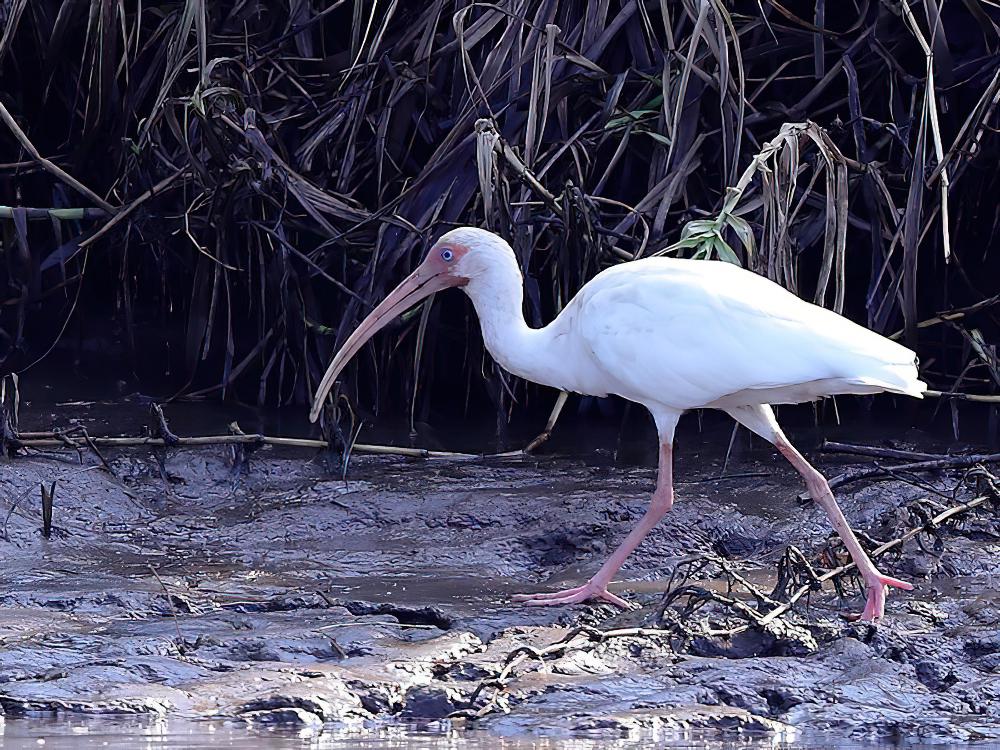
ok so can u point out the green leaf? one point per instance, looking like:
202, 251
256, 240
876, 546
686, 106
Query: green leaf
723, 251
633, 116
744, 232
699, 226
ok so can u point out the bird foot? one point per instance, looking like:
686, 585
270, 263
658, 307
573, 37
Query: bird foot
878, 586
572, 596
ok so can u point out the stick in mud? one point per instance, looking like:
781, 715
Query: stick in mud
170, 603
48, 498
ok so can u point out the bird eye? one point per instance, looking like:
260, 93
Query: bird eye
447, 255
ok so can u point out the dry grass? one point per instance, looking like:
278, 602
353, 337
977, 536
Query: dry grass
254, 174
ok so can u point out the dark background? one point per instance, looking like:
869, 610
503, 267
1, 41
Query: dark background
307, 152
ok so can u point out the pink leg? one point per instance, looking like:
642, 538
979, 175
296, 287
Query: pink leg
597, 587
820, 492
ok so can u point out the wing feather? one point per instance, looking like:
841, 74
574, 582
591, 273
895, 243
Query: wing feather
688, 333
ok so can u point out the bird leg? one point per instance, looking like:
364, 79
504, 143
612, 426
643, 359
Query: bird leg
760, 419
819, 490
597, 586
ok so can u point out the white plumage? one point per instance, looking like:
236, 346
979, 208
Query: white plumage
672, 335
690, 333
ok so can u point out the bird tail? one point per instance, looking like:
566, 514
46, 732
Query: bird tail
895, 379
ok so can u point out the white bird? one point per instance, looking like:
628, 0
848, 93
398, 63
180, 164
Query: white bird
672, 335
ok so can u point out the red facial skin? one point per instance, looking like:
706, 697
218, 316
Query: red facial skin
438, 271
434, 262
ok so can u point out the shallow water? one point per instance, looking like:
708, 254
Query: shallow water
77, 734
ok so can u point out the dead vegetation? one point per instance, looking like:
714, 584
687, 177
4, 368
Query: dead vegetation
234, 182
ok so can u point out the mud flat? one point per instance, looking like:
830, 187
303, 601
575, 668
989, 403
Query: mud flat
280, 595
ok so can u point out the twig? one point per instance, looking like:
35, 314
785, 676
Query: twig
875, 554
830, 446
550, 424
82, 432
64, 214
725, 477
577, 638
386, 623
981, 397
127, 211
951, 462
124, 442
163, 430
48, 166
67, 442
13, 507
170, 602
956, 314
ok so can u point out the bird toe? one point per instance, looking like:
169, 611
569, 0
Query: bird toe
541, 596
576, 595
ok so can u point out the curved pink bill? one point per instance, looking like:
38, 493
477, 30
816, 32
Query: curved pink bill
421, 283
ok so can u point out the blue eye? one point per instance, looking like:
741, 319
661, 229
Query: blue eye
447, 255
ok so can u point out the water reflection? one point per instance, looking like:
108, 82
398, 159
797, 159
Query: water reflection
134, 734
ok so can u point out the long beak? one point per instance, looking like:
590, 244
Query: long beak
418, 285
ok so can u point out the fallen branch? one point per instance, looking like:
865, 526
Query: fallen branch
950, 462
830, 446
981, 397
50, 440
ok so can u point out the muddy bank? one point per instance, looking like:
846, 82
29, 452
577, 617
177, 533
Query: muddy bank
176, 587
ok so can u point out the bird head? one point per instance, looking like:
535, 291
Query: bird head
459, 258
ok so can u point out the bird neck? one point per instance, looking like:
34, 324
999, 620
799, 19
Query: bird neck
498, 298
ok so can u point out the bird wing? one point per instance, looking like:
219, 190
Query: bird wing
688, 333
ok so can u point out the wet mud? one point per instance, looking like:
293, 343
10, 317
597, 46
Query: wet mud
280, 594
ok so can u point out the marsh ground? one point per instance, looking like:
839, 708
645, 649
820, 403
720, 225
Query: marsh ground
178, 588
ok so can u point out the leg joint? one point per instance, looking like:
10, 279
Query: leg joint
663, 500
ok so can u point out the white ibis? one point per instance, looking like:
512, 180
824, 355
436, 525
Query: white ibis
672, 335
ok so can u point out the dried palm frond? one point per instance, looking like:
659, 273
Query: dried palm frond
236, 182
